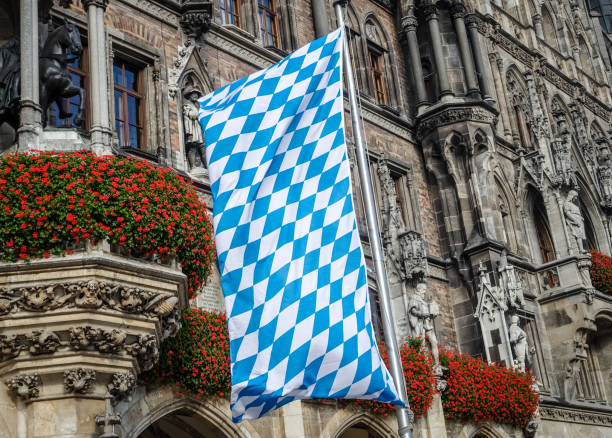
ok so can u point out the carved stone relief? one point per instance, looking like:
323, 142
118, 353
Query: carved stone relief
25, 386
121, 386
91, 294
79, 380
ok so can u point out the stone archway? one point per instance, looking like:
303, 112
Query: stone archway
182, 423
161, 413
359, 431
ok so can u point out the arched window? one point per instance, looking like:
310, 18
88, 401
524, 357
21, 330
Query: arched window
355, 47
378, 54
545, 252
521, 109
548, 26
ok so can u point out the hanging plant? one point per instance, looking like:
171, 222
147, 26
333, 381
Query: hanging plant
477, 391
601, 272
51, 203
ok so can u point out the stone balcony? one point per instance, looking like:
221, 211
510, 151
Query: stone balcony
81, 327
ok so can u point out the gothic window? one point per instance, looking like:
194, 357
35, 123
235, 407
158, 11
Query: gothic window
548, 26
545, 242
355, 46
79, 71
230, 12
589, 230
268, 22
378, 57
604, 7
129, 99
521, 109
378, 78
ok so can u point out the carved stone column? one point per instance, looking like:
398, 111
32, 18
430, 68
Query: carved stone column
496, 64
320, 18
431, 15
100, 130
458, 14
29, 106
409, 24
485, 84
87, 324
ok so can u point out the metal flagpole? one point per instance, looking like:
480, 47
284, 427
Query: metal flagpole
404, 415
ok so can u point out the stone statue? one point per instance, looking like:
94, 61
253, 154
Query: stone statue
605, 178
518, 342
421, 315
574, 219
194, 138
510, 282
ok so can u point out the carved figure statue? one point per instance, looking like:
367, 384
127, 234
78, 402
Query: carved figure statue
62, 47
518, 342
605, 178
574, 219
510, 282
421, 315
194, 138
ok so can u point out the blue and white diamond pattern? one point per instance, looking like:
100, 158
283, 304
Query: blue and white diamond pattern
290, 257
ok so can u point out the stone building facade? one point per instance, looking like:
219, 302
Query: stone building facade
488, 129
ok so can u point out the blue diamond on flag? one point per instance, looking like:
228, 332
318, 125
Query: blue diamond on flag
292, 267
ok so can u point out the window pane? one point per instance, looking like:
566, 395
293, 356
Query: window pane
119, 105
117, 75
134, 137
119, 130
130, 79
132, 109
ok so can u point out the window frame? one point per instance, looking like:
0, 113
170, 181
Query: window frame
262, 12
139, 95
377, 73
226, 13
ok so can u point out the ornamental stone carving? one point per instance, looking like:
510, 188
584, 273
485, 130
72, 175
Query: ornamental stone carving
145, 349
121, 386
196, 17
82, 337
90, 294
79, 380
454, 115
510, 283
24, 386
44, 342
111, 341
9, 347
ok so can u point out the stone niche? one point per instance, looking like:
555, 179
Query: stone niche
75, 332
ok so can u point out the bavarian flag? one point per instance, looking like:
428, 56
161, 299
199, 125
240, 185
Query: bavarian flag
292, 267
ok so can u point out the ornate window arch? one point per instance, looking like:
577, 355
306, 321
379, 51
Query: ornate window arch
379, 63
521, 108
549, 28
354, 34
540, 229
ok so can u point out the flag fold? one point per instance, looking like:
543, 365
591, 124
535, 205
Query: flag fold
292, 268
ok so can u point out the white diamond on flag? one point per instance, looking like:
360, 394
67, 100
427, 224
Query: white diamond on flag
292, 267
